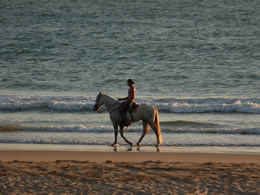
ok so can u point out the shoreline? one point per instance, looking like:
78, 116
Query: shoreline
48, 156
125, 153
127, 148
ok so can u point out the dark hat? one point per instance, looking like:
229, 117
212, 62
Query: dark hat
130, 81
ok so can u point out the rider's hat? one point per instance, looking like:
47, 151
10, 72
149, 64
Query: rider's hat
130, 81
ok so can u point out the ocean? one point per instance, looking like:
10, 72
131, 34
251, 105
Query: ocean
197, 61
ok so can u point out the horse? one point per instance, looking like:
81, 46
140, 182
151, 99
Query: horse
147, 113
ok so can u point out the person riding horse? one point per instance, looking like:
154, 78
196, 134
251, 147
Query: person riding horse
146, 113
128, 102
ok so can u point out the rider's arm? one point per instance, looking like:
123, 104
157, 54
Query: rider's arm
121, 99
131, 95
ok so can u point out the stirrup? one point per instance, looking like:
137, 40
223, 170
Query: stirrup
124, 124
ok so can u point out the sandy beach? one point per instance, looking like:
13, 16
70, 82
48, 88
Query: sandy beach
45, 172
64, 70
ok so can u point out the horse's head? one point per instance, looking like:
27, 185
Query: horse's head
99, 103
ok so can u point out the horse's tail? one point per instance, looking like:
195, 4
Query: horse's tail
157, 124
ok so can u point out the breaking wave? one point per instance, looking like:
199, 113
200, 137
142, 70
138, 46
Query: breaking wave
171, 105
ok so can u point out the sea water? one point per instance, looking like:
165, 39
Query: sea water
197, 61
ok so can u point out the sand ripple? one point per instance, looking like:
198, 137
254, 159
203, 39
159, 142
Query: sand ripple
150, 177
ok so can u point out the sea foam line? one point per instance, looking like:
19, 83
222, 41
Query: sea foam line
171, 105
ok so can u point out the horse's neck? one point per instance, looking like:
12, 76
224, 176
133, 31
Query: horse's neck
109, 101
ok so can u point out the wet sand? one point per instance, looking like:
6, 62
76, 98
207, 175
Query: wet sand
48, 172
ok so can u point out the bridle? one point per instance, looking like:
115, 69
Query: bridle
97, 106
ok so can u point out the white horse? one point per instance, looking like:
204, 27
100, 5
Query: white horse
147, 113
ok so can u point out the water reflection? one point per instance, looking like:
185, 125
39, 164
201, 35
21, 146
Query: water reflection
117, 148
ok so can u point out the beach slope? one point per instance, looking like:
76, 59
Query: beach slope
31, 172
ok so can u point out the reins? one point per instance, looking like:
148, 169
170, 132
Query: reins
107, 109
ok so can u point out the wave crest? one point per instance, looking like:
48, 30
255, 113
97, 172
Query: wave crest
171, 105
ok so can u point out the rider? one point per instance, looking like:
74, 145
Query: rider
128, 101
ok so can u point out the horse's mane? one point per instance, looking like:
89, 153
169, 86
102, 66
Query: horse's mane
108, 96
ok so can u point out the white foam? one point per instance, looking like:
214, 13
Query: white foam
213, 105
54, 103
67, 106
77, 104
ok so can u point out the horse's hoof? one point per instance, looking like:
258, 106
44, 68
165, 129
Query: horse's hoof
130, 143
114, 144
130, 149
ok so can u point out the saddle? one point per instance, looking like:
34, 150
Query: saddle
134, 106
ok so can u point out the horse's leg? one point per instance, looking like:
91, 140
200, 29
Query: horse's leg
146, 128
116, 133
156, 133
122, 135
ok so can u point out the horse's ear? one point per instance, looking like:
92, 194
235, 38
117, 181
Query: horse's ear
100, 93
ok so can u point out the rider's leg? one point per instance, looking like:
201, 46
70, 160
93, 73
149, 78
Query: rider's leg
123, 114
130, 107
